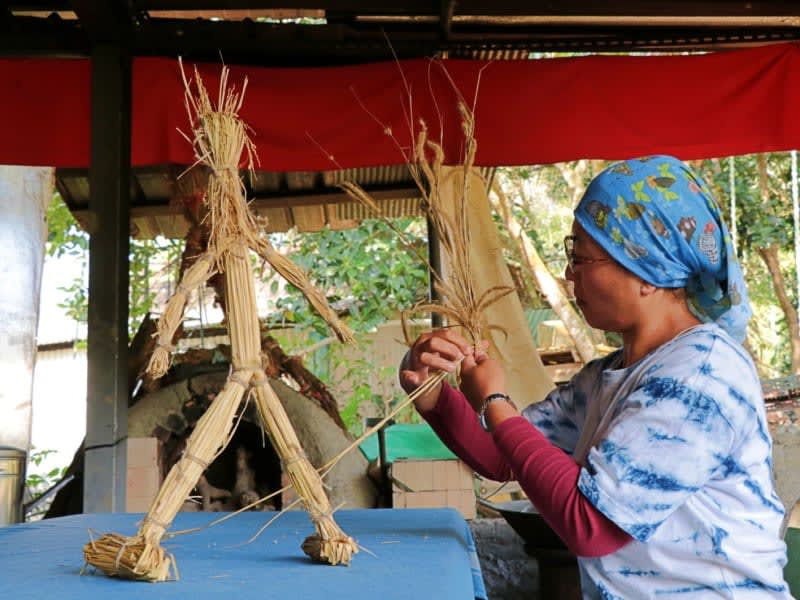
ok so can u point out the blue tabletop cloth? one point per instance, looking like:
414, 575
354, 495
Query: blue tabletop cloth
415, 553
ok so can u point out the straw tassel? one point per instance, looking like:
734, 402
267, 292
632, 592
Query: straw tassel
460, 304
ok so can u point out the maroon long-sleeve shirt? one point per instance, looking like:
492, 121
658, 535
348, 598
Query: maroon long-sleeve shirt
517, 450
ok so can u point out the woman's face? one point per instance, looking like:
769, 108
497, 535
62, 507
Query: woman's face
607, 293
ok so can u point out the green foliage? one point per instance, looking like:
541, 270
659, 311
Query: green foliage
368, 272
540, 200
66, 238
38, 483
64, 235
151, 262
761, 223
363, 384
365, 270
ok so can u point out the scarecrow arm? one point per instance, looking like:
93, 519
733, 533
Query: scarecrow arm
197, 274
299, 278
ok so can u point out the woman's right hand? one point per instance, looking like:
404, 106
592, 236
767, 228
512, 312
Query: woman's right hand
440, 350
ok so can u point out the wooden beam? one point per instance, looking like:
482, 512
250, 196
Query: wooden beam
364, 40
446, 18
103, 20
496, 7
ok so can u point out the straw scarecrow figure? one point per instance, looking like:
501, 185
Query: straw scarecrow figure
220, 139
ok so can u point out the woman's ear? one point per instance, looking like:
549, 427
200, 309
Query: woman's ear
647, 289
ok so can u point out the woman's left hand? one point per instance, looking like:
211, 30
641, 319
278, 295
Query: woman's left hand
481, 376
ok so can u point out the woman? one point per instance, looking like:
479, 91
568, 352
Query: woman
653, 464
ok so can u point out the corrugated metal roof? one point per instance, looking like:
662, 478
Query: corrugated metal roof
305, 200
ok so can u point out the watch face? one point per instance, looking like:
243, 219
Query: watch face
482, 420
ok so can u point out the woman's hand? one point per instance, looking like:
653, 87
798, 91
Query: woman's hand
439, 350
481, 376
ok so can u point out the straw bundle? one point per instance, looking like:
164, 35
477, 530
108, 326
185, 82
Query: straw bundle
460, 303
220, 138
194, 277
330, 544
141, 557
130, 558
299, 279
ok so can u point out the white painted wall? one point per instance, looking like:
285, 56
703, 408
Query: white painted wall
59, 378
59, 406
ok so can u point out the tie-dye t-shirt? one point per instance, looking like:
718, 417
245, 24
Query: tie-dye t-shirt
684, 467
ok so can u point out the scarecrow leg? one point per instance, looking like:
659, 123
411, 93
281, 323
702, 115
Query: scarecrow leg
195, 275
142, 557
330, 544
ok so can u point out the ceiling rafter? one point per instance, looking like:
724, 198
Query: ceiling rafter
448, 8
104, 20
292, 44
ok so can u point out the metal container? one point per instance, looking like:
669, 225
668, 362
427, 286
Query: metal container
12, 484
558, 568
528, 523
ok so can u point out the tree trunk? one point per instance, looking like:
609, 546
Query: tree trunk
578, 329
770, 257
575, 179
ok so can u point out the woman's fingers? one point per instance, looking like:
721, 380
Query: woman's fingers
442, 350
411, 380
439, 350
434, 360
480, 353
468, 363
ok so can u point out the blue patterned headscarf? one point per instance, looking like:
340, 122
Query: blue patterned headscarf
659, 220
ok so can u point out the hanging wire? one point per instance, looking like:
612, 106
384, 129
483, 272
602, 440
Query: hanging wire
796, 215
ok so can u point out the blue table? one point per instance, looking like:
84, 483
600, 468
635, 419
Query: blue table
418, 553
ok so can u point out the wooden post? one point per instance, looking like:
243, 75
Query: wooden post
109, 199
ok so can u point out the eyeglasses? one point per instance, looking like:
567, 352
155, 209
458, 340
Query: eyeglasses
574, 261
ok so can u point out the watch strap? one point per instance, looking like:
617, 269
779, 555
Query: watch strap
486, 402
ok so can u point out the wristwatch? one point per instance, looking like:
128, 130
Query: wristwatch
487, 401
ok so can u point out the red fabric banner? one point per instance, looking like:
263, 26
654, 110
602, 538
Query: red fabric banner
527, 112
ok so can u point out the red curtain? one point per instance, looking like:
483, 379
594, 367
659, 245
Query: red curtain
526, 112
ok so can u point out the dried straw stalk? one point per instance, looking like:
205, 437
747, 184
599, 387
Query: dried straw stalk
220, 138
460, 304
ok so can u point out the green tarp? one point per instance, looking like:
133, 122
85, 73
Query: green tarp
415, 442
792, 570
